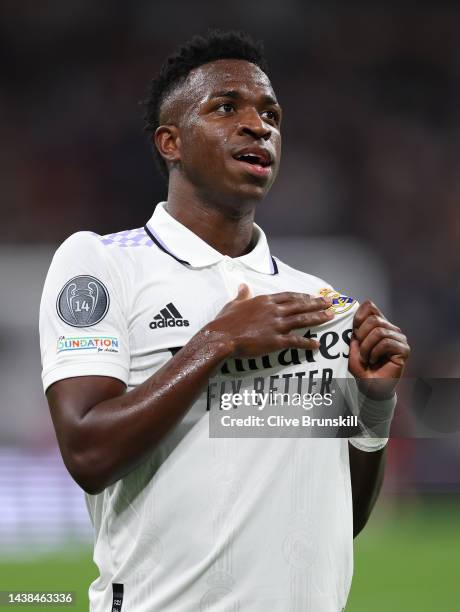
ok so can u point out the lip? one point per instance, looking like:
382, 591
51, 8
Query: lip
265, 155
255, 169
260, 170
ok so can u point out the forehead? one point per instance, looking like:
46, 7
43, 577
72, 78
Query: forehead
227, 74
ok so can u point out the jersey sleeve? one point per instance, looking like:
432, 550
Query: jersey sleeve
83, 322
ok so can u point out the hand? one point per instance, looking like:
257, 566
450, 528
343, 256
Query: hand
256, 326
378, 352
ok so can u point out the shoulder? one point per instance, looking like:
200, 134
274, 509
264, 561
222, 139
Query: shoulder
124, 241
78, 240
118, 247
87, 256
342, 302
77, 250
305, 282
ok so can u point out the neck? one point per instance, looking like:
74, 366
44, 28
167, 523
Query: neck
229, 230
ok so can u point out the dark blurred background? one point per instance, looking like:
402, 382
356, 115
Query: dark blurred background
371, 153
371, 131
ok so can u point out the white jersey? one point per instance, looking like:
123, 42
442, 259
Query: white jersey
218, 524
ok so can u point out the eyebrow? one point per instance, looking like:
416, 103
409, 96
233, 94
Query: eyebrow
235, 95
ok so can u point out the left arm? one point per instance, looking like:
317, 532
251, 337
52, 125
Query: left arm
378, 354
367, 471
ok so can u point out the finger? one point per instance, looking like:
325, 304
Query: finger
311, 319
389, 348
366, 309
377, 335
296, 341
301, 298
355, 364
303, 306
244, 293
370, 323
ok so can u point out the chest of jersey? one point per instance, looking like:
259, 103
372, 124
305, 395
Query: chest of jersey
168, 309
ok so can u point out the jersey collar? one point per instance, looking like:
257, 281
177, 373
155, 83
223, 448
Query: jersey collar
189, 249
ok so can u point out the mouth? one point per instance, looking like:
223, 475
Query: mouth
257, 162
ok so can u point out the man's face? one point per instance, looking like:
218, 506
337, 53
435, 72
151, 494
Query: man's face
229, 131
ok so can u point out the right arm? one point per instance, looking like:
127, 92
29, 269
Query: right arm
105, 433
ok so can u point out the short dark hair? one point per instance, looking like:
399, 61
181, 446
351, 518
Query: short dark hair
215, 45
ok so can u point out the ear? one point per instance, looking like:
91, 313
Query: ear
168, 143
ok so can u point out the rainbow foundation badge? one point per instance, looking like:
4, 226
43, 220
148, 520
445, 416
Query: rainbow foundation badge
340, 303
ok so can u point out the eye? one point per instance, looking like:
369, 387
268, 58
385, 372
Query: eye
271, 115
226, 108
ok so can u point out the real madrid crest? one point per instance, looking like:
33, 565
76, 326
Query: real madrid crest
83, 301
340, 303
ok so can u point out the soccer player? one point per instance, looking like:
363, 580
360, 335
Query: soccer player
136, 328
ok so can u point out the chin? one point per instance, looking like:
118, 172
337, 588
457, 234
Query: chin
252, 193
239, 197
241, 200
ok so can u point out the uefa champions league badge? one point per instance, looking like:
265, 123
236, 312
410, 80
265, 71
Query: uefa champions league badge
83, 301
340, 303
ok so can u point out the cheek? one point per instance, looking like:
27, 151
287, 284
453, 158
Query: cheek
204, 146
277, 144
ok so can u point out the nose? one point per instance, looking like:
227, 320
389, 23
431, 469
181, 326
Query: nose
251, 124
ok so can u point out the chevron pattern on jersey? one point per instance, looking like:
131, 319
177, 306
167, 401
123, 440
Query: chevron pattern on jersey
128, 238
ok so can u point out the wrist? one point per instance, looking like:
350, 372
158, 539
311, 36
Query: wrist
376, 415
215, 343
377, 389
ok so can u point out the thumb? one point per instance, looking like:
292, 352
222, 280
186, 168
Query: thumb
398, 360
355, 365
244, 293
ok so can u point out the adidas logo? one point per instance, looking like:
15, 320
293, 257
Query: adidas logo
169, 316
